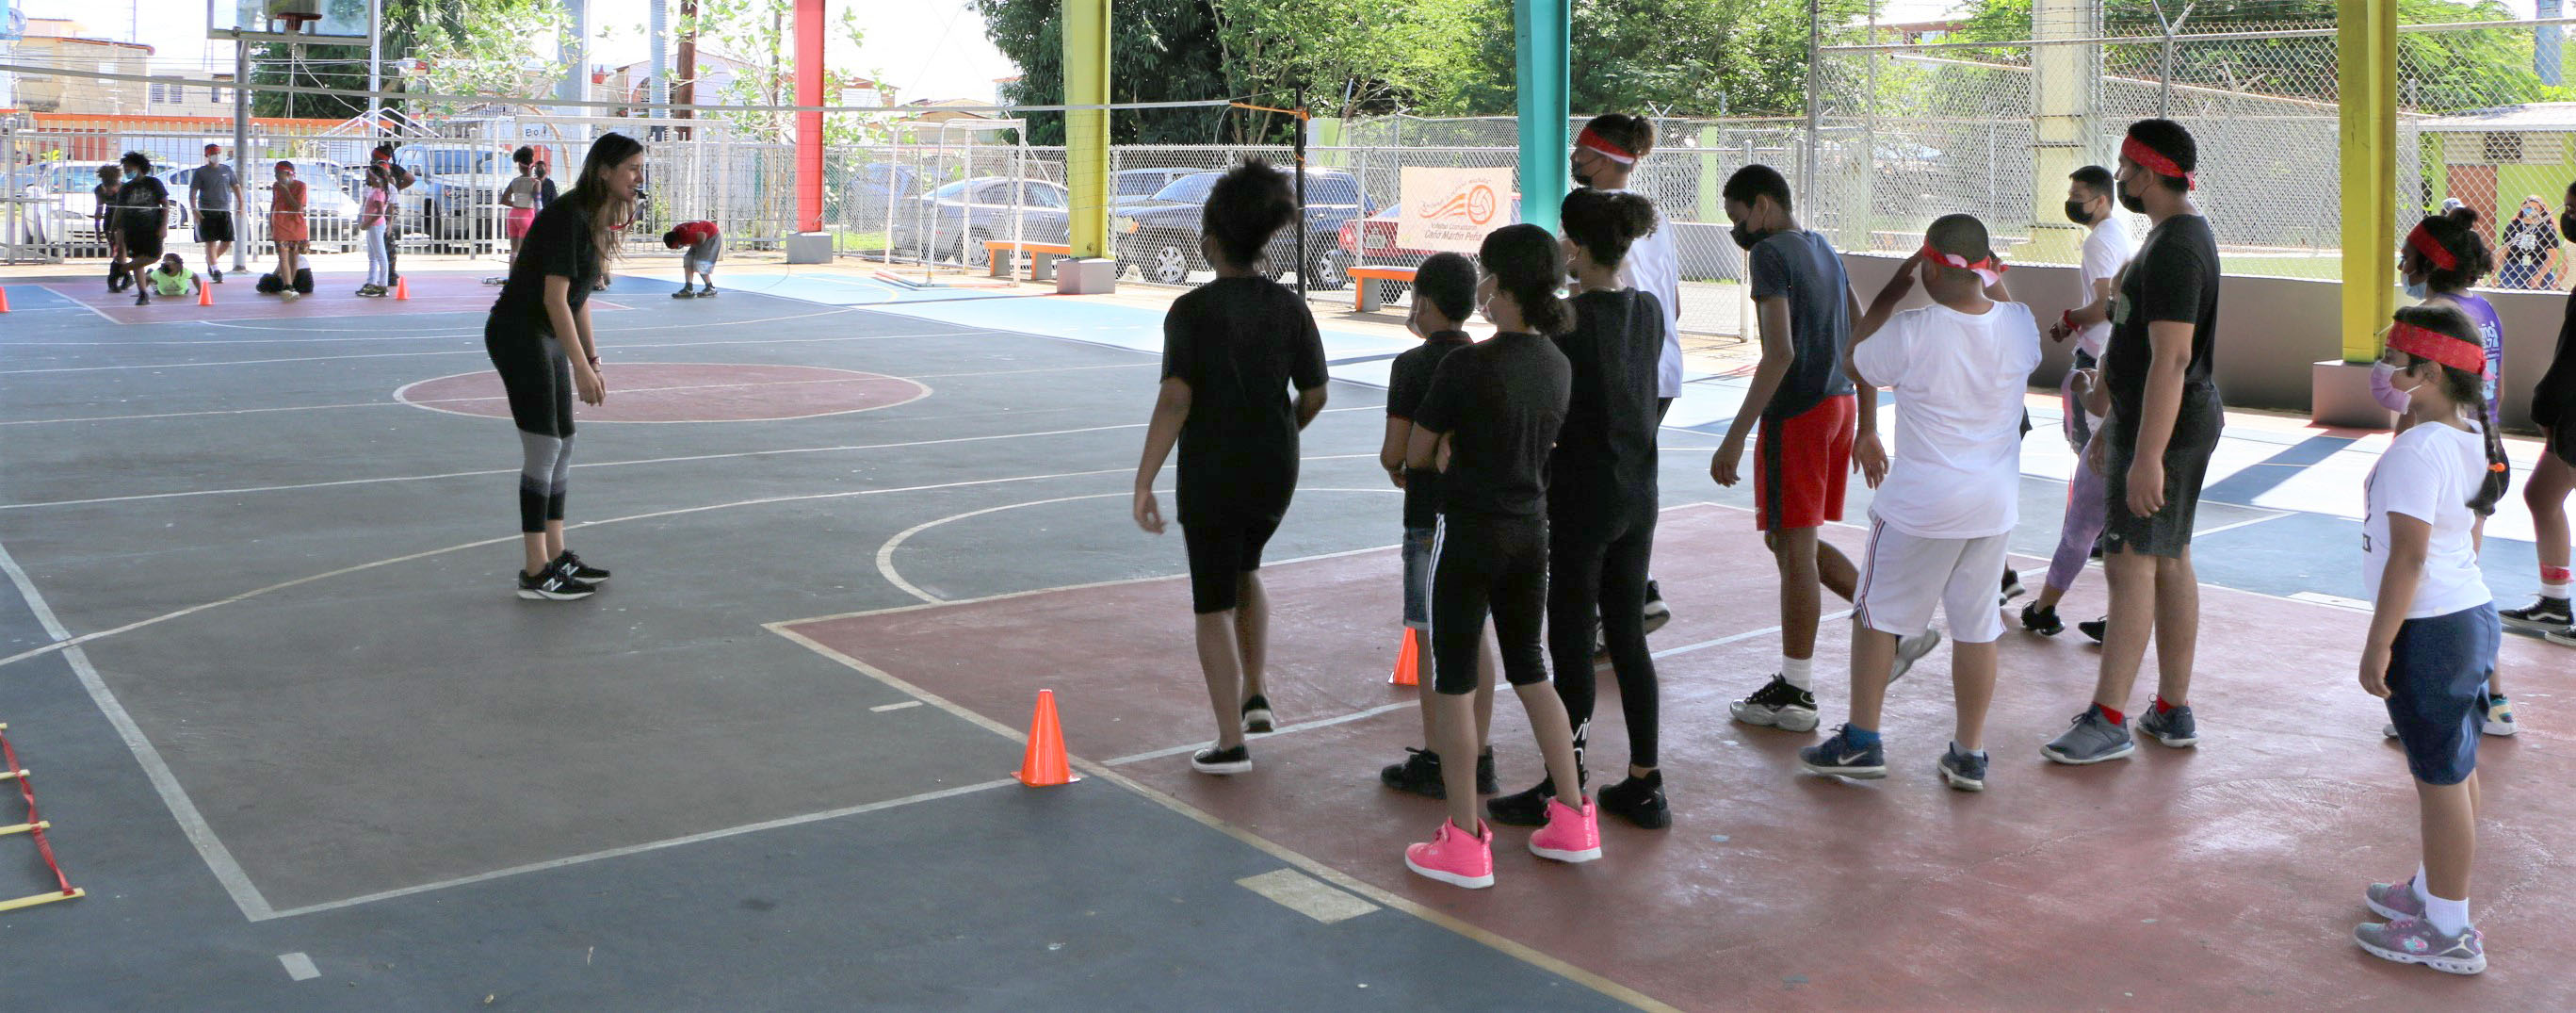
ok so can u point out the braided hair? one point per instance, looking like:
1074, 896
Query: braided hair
2464, 389
1528, 264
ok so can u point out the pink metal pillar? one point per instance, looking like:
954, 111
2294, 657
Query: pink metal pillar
809, 124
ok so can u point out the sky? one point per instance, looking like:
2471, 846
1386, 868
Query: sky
925, 48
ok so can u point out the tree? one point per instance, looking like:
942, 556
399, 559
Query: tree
1159, 51
762, 32
499, 47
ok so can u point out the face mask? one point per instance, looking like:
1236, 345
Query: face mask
2415, 290
2382, 391
2567, 223
1745, 239
129, 175
2075, 212
2134, 205
1576, 167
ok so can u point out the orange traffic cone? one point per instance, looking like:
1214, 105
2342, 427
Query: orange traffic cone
205, 294
1406, 661
1044, 765
402, 288
4, 300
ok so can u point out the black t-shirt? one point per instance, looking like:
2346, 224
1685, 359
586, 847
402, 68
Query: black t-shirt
1501, 404
2553, 399
558, 244
1604, 463
2173, 278
1406, 383
1240, 343
143, 199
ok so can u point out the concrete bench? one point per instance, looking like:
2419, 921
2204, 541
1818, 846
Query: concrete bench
1365, 280
1042, 257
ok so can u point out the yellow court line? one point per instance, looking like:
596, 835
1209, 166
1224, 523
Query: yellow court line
1514, 948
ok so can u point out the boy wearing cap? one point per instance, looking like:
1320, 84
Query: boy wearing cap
214, 193
1938, 524
2164, 421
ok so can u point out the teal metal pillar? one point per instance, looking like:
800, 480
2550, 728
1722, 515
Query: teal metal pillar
1543, 31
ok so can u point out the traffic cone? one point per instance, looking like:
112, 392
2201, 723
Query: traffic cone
402, 289
4, 300
205, 294
1044, 765
1406, 661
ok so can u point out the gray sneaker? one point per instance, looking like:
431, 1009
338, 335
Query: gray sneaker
1964, 771
1911, 650
2173, 728
2091, 739
2394, 901
2416, 941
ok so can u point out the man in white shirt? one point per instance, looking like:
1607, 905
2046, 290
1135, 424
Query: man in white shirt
1606, 153
2090, 202
1940, 519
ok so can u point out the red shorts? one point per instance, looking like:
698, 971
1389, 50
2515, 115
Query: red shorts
1800, 466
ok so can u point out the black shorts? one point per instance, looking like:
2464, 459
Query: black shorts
2167, 532
143, 244
214, 226
1221, 551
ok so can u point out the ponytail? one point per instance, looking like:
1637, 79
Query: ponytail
2499, 476
1528, 264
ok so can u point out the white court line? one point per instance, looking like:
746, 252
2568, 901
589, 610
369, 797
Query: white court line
78, 303
1306, 895
637, 849
620, 329
65, 645
2196, 535
478, 351
685, 458
894, 706
299, 966
219, 860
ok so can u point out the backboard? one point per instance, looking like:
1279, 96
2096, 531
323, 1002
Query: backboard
315, 22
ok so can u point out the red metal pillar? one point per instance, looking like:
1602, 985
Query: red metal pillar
809, 125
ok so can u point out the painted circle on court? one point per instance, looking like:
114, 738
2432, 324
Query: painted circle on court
687, 392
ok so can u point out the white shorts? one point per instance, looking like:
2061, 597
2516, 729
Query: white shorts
1904, 576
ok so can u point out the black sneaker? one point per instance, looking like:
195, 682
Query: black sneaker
572, 566
2012, 587
219, 277
2541, 616
1256, 715
1212, 760
2095, 628
142, 299
685, 292
553, 585
1778, 705
2042, 621
1657, 613
1639, 800
1485, 783
708, 292
1419, 774
1522, 809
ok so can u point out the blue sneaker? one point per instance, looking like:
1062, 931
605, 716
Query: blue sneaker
2173, 727
2092, 738
1838, 757
1964, 771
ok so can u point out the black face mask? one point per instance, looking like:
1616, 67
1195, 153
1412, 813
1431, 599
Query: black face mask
2075, 212
2567, 224
1576, 168
1745, 238
2134, 205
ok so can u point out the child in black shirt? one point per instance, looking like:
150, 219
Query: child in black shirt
1487, 423
1231, 349
1444, 296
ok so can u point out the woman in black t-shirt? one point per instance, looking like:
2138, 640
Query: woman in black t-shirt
539, 338
2530, 246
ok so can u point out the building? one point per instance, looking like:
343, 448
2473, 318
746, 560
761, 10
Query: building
64, 43
193, 100
634, 82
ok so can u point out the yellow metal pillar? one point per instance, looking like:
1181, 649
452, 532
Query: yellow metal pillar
2064, 122
1086, 132
2366, 42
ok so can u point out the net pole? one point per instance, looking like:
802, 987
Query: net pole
1300, 148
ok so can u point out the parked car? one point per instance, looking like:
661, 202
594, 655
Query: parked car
877, 190
1371, 241
456, 193
1160, 238
957, 219
330, 213
70, 202
1129, 187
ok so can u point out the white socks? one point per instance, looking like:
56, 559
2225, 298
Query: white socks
2449, 917
1798, 671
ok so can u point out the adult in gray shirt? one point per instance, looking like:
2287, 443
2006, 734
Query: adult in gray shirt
214, 196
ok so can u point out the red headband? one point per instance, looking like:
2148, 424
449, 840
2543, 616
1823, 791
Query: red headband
1989, 269
2424, 343
1600, 145
2155, 161
2422, 241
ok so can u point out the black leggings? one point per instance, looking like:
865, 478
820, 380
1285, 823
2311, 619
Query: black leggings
538, 377
1588, 578
1487, 564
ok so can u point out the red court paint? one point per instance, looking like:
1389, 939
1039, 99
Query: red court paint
687, 392
2229, 876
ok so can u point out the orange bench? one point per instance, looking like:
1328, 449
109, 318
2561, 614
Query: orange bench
1042, 257
1364, 283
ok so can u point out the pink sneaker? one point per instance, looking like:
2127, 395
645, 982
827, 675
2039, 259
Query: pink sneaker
1455, 857
1569, 836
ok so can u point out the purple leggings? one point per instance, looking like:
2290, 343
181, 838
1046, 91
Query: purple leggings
2086, 512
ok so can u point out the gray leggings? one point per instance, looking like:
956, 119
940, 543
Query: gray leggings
544, 469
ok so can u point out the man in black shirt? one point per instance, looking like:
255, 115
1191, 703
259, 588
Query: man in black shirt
2164, 421
143, 207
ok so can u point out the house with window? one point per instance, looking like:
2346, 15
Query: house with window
63, 42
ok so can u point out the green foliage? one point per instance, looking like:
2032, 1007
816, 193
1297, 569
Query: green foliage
1159, 51
498, 47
